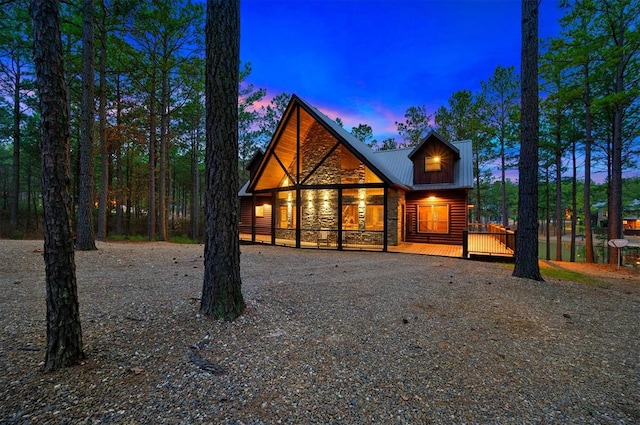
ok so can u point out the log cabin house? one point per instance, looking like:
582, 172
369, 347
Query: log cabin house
318, 186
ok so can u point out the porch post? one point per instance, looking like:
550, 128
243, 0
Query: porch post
253, 218
339, 235
297, 180
274, 212
385, 237
465, 243
298, 220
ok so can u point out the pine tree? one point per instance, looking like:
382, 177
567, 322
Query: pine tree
64, 333
526, 257
221, 290
85, 238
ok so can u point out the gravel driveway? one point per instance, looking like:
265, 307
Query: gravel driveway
328, 338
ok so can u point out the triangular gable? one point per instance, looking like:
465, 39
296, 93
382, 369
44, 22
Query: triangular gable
304, 143
429, 139
356, 146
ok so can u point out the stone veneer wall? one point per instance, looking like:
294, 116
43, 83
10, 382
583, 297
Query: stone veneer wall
402, 206
319, 213
314, 147
395, 201
321, 210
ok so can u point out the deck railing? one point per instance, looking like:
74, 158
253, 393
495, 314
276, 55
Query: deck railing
488, 239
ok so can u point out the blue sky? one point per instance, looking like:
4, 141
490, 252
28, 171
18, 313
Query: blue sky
367, 61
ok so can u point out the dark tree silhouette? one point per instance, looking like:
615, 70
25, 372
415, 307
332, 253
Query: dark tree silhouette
64, 333
221, 290
526, 257
85, 237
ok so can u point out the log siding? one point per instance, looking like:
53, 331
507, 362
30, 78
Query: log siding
455, 199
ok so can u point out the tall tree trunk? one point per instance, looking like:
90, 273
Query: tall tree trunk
615, 186
622, 22
29, 173
85, 238
129, 160
503, 178
15, 191
64, 333
221, 290
526, 257
164, 124
574, 202
588, 233
103, 206
119, 147
75, 154
547, 210
195, 186
151, 217
559, 210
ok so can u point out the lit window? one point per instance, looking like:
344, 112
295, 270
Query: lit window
433, 218
432, 163
374, 217
286, 213
287, 217
350, 217
259, 210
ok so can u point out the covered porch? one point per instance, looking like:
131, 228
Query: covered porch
492, 244
364, 240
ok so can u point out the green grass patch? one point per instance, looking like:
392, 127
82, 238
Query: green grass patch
570, 275
182, 239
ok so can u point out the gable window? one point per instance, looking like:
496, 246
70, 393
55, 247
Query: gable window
433, 218
259, 210
432, 163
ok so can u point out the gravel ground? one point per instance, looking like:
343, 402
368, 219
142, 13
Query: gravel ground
328, 338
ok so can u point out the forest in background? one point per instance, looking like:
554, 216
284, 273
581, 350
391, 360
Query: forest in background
147, 157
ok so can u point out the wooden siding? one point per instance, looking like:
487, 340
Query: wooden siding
262, 224
447, 159
456, 199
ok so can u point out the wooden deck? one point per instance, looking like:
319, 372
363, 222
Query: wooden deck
479, 244
428, 249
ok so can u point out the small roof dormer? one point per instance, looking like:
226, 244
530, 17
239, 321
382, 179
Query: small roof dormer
433, 160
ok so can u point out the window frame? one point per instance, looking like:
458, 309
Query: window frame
350, 211
432, 163
433, 222
368, 225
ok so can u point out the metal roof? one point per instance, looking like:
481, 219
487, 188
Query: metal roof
399, 162
243, 190
394, 166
